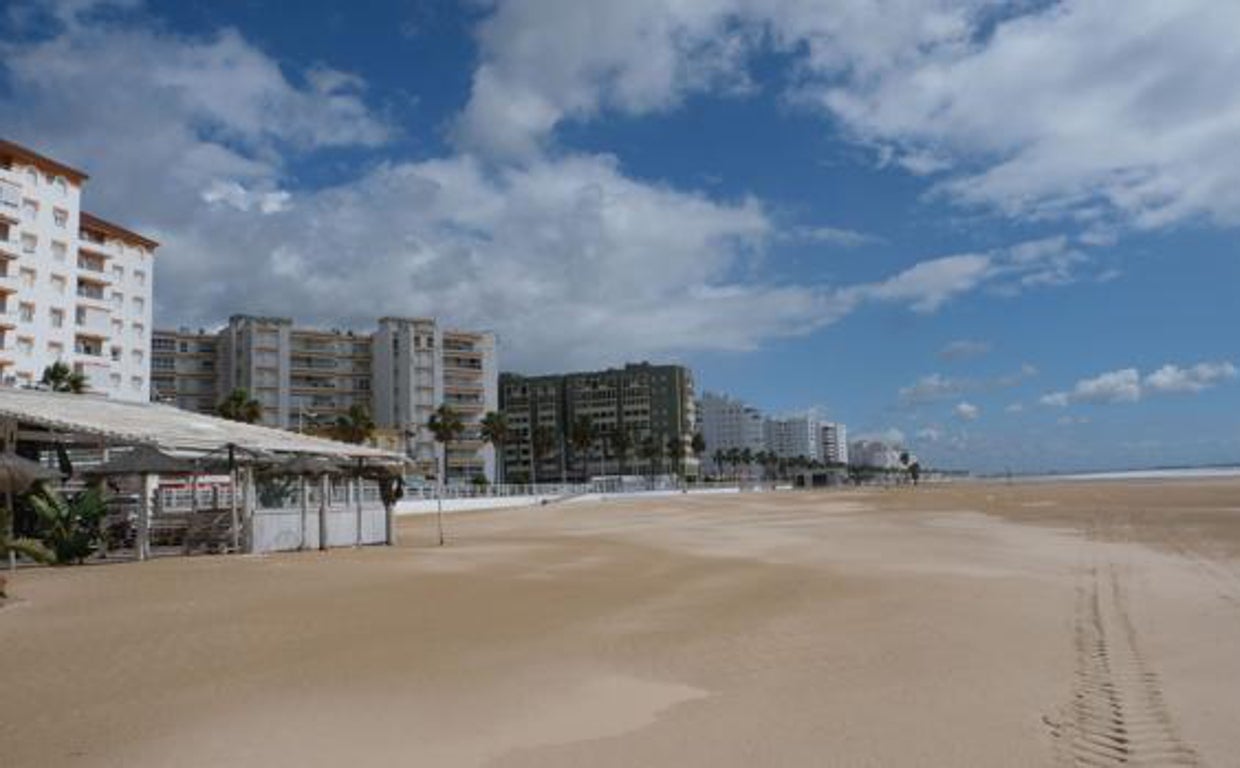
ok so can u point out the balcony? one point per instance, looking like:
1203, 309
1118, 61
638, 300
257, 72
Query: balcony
94, 265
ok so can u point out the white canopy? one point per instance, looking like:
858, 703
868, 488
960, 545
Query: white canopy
169, 428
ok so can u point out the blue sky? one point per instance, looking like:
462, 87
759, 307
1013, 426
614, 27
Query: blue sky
1002, 233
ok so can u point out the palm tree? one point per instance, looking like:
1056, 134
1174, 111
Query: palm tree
622, 443
239, 406
73, 528
719, 456
676, 453
495, 431
733, 457
542, 443
581, 436
355, 427
446, 425
746, 458
59, 377
649, 450
698, 446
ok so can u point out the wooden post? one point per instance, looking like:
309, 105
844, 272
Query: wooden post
323, 491
305, 504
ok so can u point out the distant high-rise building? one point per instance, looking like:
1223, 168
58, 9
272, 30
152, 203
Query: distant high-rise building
652, 405
727, 423
833, 443
794, 437
306, 378
74, 288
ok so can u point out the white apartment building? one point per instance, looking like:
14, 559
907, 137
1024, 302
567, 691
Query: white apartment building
305, 378
795, 437
833, 443
73, 287
417, 367
727, 423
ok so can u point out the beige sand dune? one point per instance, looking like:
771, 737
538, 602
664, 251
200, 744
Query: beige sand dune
960, 626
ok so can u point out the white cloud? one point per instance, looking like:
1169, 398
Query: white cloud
1016, 407
1070, 110
1122, 386
837, 236
929, 285
1172, 378
1127, 385
964, 349
936, 387
929, 434
967, 411
1042, 110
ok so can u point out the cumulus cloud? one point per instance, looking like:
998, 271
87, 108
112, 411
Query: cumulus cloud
837, 236
1128, 386
967, 411
1173, 378
1038, 110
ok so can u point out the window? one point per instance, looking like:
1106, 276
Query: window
28, 277
59, 284
59, 252
26, 311
116, 354
60, 217
30, 211
139, 304
139, 331
137, 356
115, 380
25, 345
62, 187
185, 346
56, 349
80, 316
32, 177
139, 276
118, 300
136, 382
29, 243
57, 317
118, 327
118, 272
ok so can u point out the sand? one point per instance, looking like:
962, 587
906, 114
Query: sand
980, 625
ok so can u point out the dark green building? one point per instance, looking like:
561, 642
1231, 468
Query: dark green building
642, 418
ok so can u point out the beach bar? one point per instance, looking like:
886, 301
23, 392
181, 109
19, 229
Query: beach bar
182, 481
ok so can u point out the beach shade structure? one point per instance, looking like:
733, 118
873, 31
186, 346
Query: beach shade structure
143, 460
306, 466
17, 474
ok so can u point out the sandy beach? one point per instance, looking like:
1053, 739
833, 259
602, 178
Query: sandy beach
970, 625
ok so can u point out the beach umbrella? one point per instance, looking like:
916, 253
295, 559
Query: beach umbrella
18, 473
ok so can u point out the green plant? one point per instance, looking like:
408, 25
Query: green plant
19, 545
71, 528
356, 427
59, 377
239, 406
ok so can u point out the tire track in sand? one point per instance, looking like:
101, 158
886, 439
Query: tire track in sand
1117, 715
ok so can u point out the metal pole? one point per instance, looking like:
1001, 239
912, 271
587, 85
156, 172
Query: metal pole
235, 521
304, 511
323, 490
439, 494
357, 498
144, 520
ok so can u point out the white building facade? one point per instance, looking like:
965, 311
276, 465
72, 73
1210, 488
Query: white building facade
795, 437
727, 423
419, 366
74, 288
